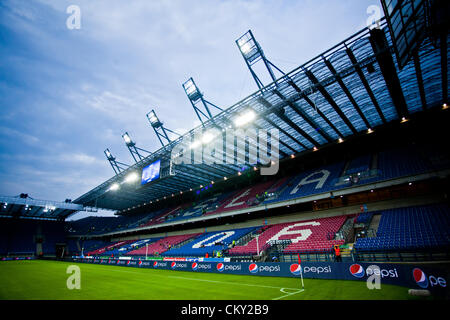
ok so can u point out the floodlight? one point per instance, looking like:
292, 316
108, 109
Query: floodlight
195, 144
151, 116
248, 47
244, 118
207, 137
127, 138
191, 89
114, 187
108, 154
132, 177
245, 47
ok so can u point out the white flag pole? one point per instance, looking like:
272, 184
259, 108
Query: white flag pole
301, 276
257, 244
301, 271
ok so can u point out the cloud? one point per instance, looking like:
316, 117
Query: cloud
15, 134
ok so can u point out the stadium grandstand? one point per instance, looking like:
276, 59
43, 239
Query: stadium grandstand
363, 163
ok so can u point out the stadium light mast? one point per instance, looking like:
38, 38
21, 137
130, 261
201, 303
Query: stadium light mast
160, 130
252, 53
196, 98
116, 165
131, 145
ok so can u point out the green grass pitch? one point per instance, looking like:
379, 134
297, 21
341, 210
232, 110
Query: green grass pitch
46, 280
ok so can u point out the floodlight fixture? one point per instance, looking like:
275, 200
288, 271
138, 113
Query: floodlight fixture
133, 149
127, 139
195, 144
108, 154
249, 47
191, 89
252, 53
160, 130
245, 118
153, 119
116, 165
115, 186
207, 137
132, 177
197, 101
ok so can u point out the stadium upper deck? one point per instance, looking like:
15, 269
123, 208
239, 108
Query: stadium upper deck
348, 90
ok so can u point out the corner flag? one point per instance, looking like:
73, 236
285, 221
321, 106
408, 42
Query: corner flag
301, 270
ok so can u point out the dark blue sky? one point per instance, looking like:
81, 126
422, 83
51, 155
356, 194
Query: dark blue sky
66, 95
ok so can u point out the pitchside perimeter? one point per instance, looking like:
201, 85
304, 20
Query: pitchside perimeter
47, 280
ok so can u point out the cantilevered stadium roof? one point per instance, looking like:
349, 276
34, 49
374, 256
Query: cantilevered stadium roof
39, 209
348, 90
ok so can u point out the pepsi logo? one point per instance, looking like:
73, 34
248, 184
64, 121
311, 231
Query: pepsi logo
253, 268
140, 262
420, 278
128, 262
195, 266
173, 265
155, 264
295, 269
220, 267
357, 270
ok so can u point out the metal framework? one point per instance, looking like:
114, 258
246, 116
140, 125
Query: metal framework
350, 89
131, 145
160, 130
197, 100
252, 53
116, 165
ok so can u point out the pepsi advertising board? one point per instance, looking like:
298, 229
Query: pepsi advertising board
151, 172
433, 277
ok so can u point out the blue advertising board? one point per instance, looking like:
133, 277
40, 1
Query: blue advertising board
424, 276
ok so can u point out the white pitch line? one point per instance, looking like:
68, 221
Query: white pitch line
288, 294
238, 284
215, 281
224, 282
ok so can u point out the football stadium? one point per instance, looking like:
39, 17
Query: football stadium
330, 182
